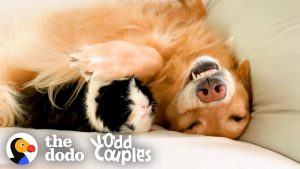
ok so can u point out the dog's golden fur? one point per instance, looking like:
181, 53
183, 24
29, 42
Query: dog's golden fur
40, 55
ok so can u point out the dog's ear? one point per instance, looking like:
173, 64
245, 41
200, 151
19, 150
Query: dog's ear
229, 43
243, 72
196, 5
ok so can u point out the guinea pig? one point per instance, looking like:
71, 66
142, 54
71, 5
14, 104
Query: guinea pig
119, 106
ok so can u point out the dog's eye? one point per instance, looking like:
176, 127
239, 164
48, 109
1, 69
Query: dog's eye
195, 123
236, 118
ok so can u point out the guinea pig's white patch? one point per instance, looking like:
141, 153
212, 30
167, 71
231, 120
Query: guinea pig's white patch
91, 105
141, 109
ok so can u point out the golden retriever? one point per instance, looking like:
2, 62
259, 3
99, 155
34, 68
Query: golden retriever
198, 84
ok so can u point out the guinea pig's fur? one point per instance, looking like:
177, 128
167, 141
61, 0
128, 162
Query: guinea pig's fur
122, 106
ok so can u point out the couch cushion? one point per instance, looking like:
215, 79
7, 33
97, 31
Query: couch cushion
268, 33
168, 150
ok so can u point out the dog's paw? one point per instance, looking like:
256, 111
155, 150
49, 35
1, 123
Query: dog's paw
114, 60
94, 62
80, 65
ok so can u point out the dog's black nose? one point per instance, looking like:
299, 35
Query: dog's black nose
212, 90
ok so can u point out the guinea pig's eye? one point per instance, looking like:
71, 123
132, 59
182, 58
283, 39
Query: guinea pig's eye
130, 126
236, 118
195, 123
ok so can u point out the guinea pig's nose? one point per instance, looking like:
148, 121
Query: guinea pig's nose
211, 91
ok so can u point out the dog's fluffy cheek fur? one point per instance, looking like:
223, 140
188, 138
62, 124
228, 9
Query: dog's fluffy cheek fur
164, 95
165, 89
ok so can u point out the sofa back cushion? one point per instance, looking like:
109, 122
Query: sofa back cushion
267, 32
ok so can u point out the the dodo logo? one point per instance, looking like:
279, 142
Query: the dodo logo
21, 148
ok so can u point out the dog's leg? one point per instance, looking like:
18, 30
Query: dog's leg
9, 107
10, 81
117, 59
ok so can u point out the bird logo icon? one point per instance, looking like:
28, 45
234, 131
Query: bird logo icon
21, 148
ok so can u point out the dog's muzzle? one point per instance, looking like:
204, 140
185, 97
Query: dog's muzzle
207, 74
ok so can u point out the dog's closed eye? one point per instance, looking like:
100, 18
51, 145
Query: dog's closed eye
236, 118
191, 126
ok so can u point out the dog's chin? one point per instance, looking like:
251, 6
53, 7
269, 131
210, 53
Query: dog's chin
206, 84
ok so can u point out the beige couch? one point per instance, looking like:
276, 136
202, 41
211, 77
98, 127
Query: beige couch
268, 33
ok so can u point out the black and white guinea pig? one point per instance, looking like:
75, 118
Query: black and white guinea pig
121, 106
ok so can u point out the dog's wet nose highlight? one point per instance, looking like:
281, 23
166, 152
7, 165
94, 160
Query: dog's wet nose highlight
211, 91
